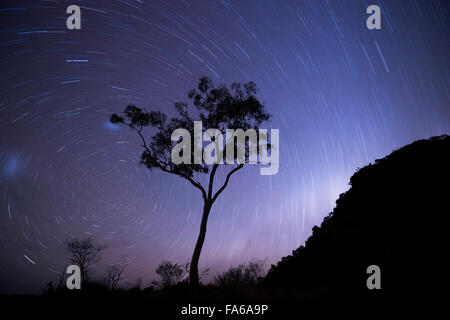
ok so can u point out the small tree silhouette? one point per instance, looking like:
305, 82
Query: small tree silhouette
114, 274
243, 274
84, 253
170, 273
217, 107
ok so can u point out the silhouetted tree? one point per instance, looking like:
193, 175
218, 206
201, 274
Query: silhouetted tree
84, 253
246, 274
217, 107
170, 273
114, 274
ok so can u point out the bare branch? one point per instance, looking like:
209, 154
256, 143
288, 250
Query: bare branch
84, 253
192, 181
114, 274
211, 180
226, 182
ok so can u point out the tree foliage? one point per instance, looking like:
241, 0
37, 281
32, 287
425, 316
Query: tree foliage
217, 107
171, 273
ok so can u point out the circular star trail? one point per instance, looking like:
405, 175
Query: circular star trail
340, 94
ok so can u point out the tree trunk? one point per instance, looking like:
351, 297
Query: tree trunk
193, 272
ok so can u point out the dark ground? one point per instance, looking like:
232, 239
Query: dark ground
392, 216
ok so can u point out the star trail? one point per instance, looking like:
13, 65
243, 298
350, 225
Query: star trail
340, 94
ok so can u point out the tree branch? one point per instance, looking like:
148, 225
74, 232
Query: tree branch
192, 181
211, 180
226, 182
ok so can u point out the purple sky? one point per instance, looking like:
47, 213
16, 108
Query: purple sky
341, 95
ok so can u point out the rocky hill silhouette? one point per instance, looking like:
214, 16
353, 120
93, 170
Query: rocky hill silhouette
393, 217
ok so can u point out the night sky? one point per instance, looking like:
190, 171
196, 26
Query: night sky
340, 94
